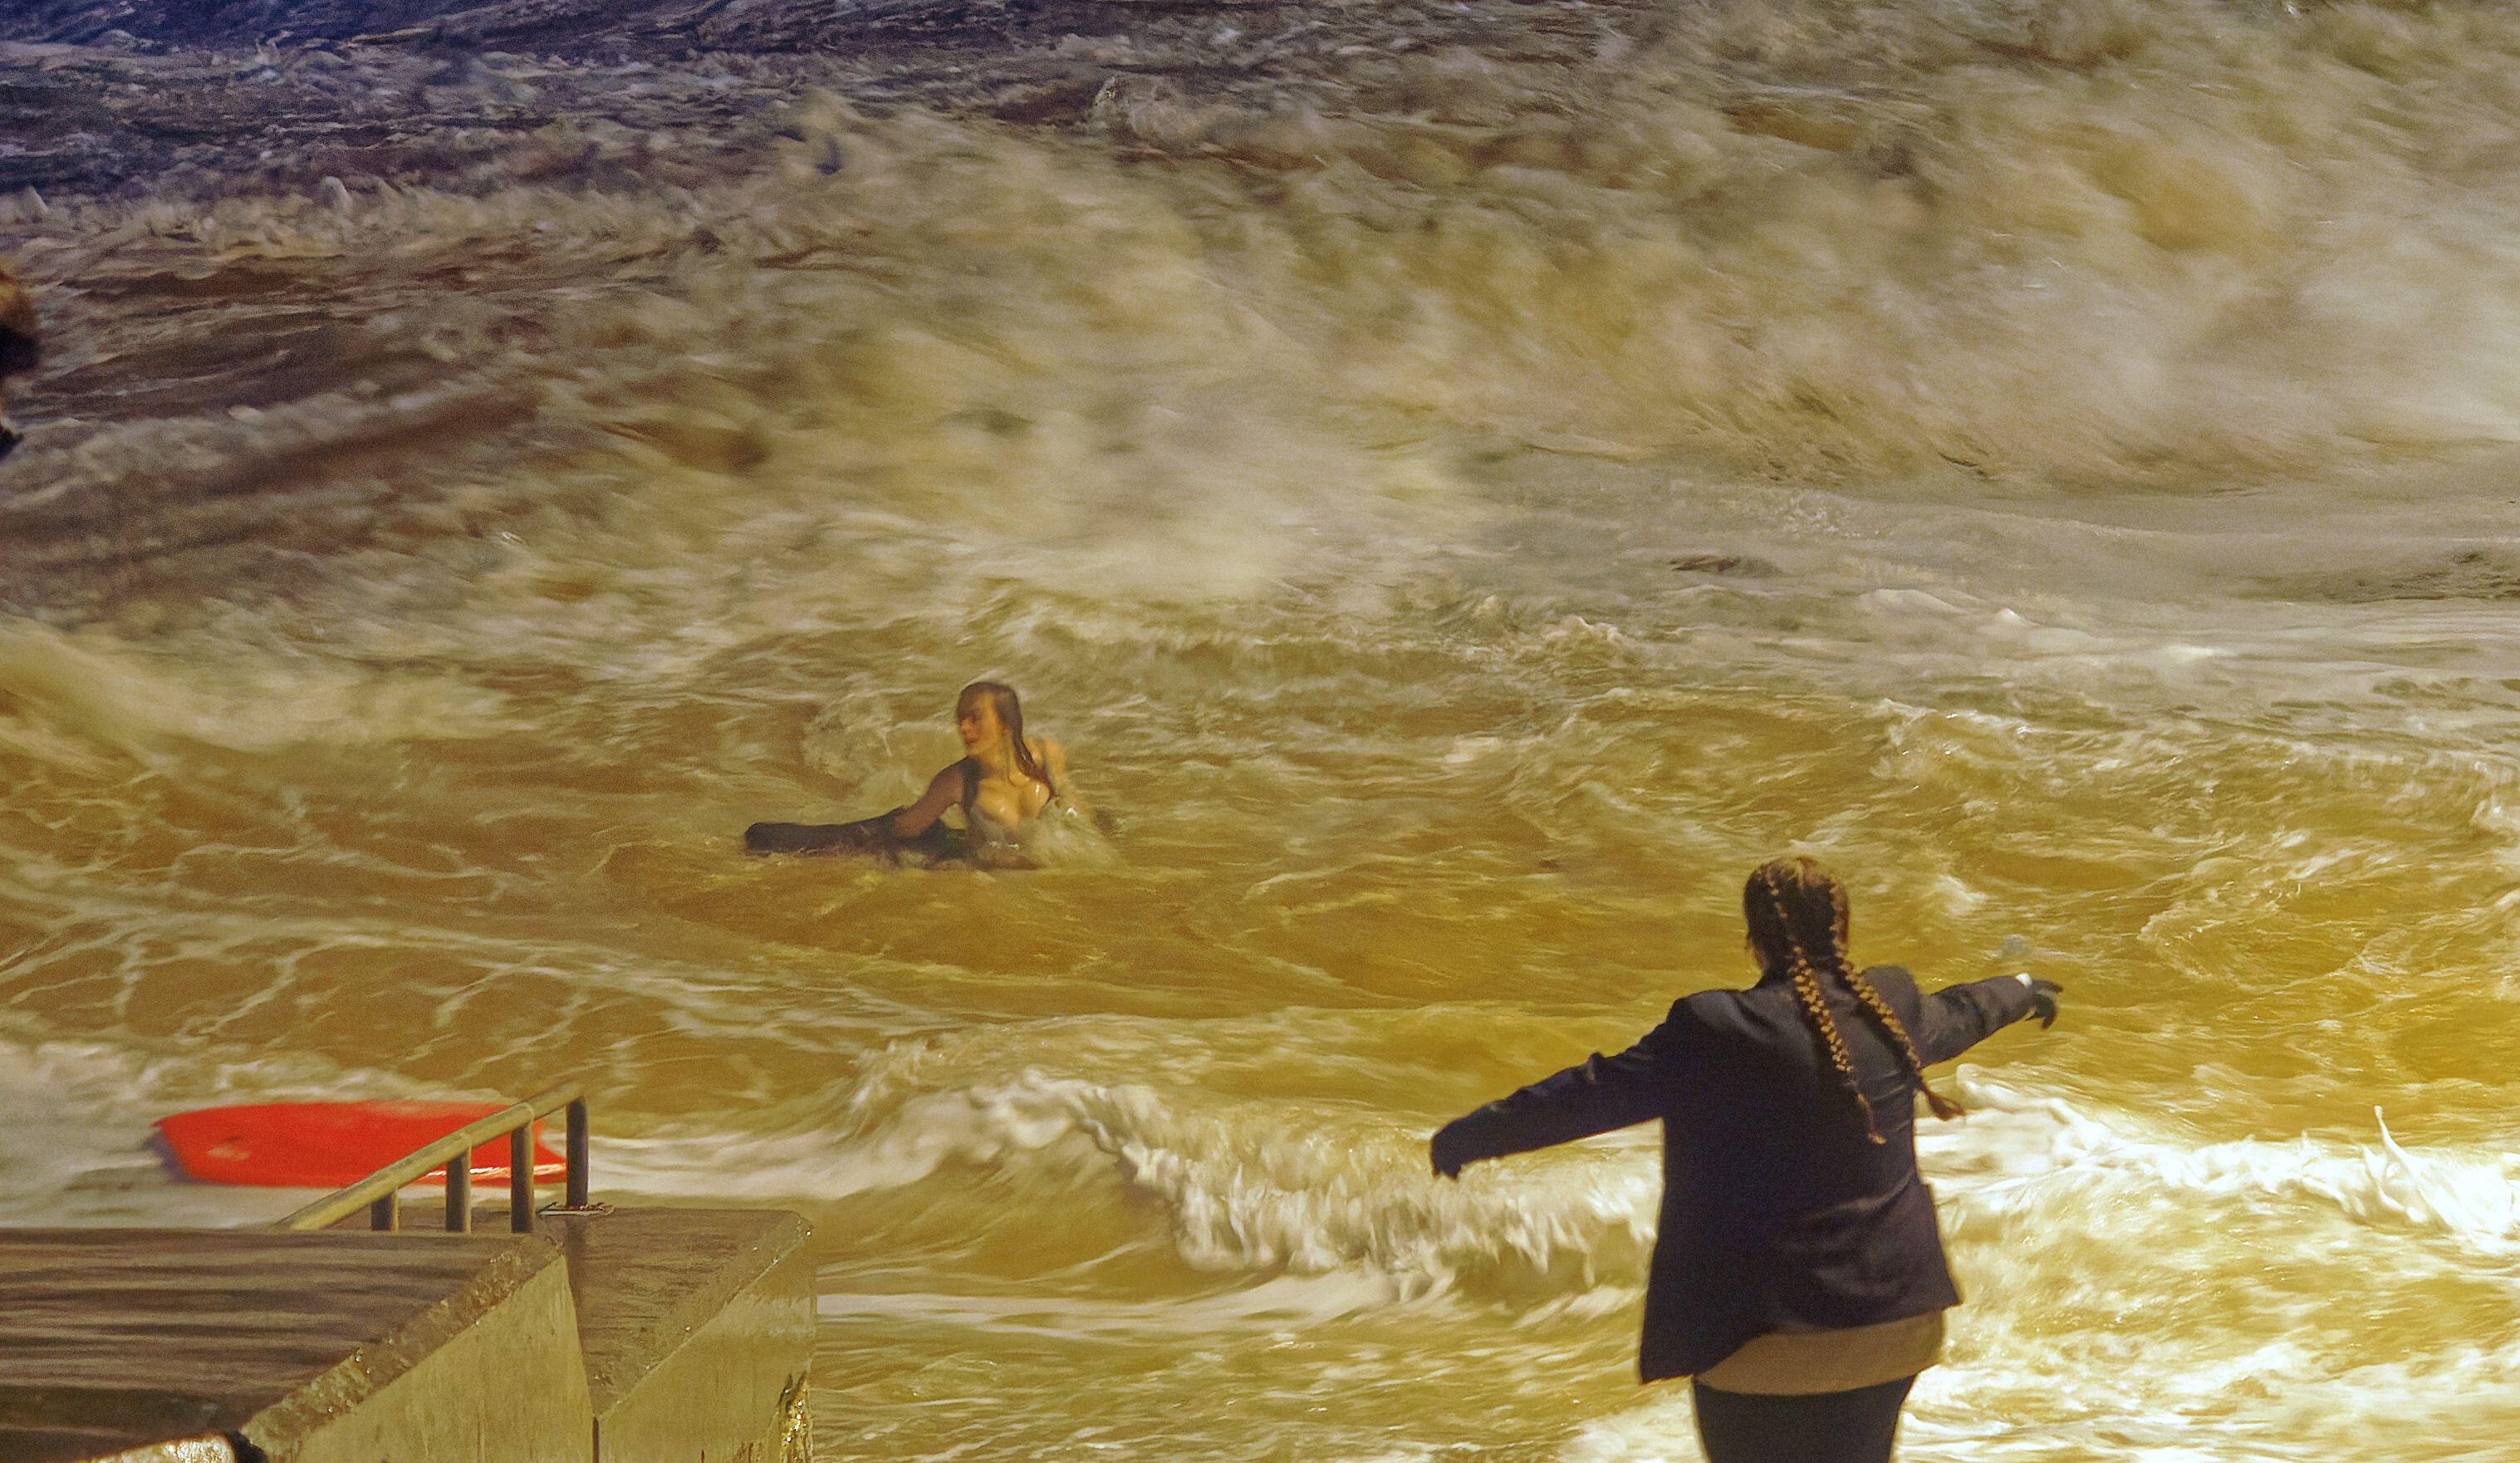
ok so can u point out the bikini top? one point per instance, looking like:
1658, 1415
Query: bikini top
982, 823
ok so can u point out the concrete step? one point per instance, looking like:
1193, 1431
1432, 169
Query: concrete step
697, 1325
633, 1336
308, 1348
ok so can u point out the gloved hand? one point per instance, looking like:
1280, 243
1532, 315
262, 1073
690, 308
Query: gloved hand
2042, 998
1444, 1150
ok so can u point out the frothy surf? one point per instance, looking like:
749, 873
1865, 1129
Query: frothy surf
1237, 1191
1465, 483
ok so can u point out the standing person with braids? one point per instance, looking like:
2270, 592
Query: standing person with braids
1798, 1276
1005, 781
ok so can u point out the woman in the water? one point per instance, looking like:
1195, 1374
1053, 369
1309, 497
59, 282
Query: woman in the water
1004, 784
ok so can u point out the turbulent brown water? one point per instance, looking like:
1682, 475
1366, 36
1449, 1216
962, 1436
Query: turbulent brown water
1465, 482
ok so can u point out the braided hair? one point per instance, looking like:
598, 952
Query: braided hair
1798, 918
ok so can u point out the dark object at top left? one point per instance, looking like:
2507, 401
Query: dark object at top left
21, 348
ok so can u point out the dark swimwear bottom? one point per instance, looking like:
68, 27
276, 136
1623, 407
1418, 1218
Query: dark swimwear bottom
1826, 1427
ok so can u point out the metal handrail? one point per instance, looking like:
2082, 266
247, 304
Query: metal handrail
381, 1192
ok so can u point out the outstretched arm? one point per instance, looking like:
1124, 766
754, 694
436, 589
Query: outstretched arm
1593, 1096
905, 823
884, 833
1955, 1017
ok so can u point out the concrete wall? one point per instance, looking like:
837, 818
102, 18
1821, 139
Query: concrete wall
126, 1339
734, 1392
640, 1336
502, 1384
697, 1327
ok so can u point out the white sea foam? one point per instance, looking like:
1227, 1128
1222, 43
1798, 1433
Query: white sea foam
1238, 1192
76, 691
2032, 1156
1244, 1190
1269, 1304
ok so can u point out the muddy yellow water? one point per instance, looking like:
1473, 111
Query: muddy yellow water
2050, 461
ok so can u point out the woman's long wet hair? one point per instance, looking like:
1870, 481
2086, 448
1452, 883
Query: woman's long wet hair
1011, 716
1797, 915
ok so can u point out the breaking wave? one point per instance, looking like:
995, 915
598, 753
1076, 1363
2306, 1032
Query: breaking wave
2090, 241
1260, 1194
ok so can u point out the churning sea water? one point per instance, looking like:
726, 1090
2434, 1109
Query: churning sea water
1466, 485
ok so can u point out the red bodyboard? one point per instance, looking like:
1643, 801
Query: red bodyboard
330, 1145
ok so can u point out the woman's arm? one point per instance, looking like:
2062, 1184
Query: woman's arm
905, 823
1955, 1017
1594, 1096
882, 834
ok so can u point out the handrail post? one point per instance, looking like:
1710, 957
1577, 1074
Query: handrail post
577, 1184
520, 1180
452, 1154
459, 1193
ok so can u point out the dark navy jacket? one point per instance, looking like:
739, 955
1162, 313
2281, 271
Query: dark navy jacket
1778, 1214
